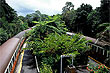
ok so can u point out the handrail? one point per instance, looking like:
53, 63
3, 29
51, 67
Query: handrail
98, 47
62, 56
95, 41
95, 45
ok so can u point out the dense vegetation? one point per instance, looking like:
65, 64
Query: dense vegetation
48, 40
85, 19
10, 23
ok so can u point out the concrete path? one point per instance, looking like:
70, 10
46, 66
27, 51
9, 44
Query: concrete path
28, 64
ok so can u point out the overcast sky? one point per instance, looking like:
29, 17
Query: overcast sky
49, 7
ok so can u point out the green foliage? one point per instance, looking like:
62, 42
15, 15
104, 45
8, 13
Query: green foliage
85, 20
104, 34
68, 14
10, 24
7, 12
76, 20
37, 16
12, 28
45, 69
3, 23
54, 45
93, 20
68, 6
81, 18
49, 41
69, 18
3, 36
105, 25
104, 11
43, 28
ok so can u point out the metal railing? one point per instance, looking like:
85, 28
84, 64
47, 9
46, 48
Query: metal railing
13, 58
98, 48
63, 56
94, 46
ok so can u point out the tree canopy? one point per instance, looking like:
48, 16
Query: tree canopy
9, 22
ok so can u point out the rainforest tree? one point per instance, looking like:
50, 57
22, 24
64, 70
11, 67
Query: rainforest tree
9, 22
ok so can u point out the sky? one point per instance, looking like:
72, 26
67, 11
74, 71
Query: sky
49, 7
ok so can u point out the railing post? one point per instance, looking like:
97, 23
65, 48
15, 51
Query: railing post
61, 65
97, 49
103, 52
107, 53
37, 65
72, 60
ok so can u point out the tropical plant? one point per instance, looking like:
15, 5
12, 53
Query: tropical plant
46, 69
43, 28
54, 45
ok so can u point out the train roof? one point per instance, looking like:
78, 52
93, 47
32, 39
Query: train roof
6, 51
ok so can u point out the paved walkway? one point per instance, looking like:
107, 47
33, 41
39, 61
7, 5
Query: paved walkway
28, 64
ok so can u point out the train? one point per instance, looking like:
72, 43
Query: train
9, 51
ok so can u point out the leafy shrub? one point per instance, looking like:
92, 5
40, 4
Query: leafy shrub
45, 69
43, 28
49, 41
54, 45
